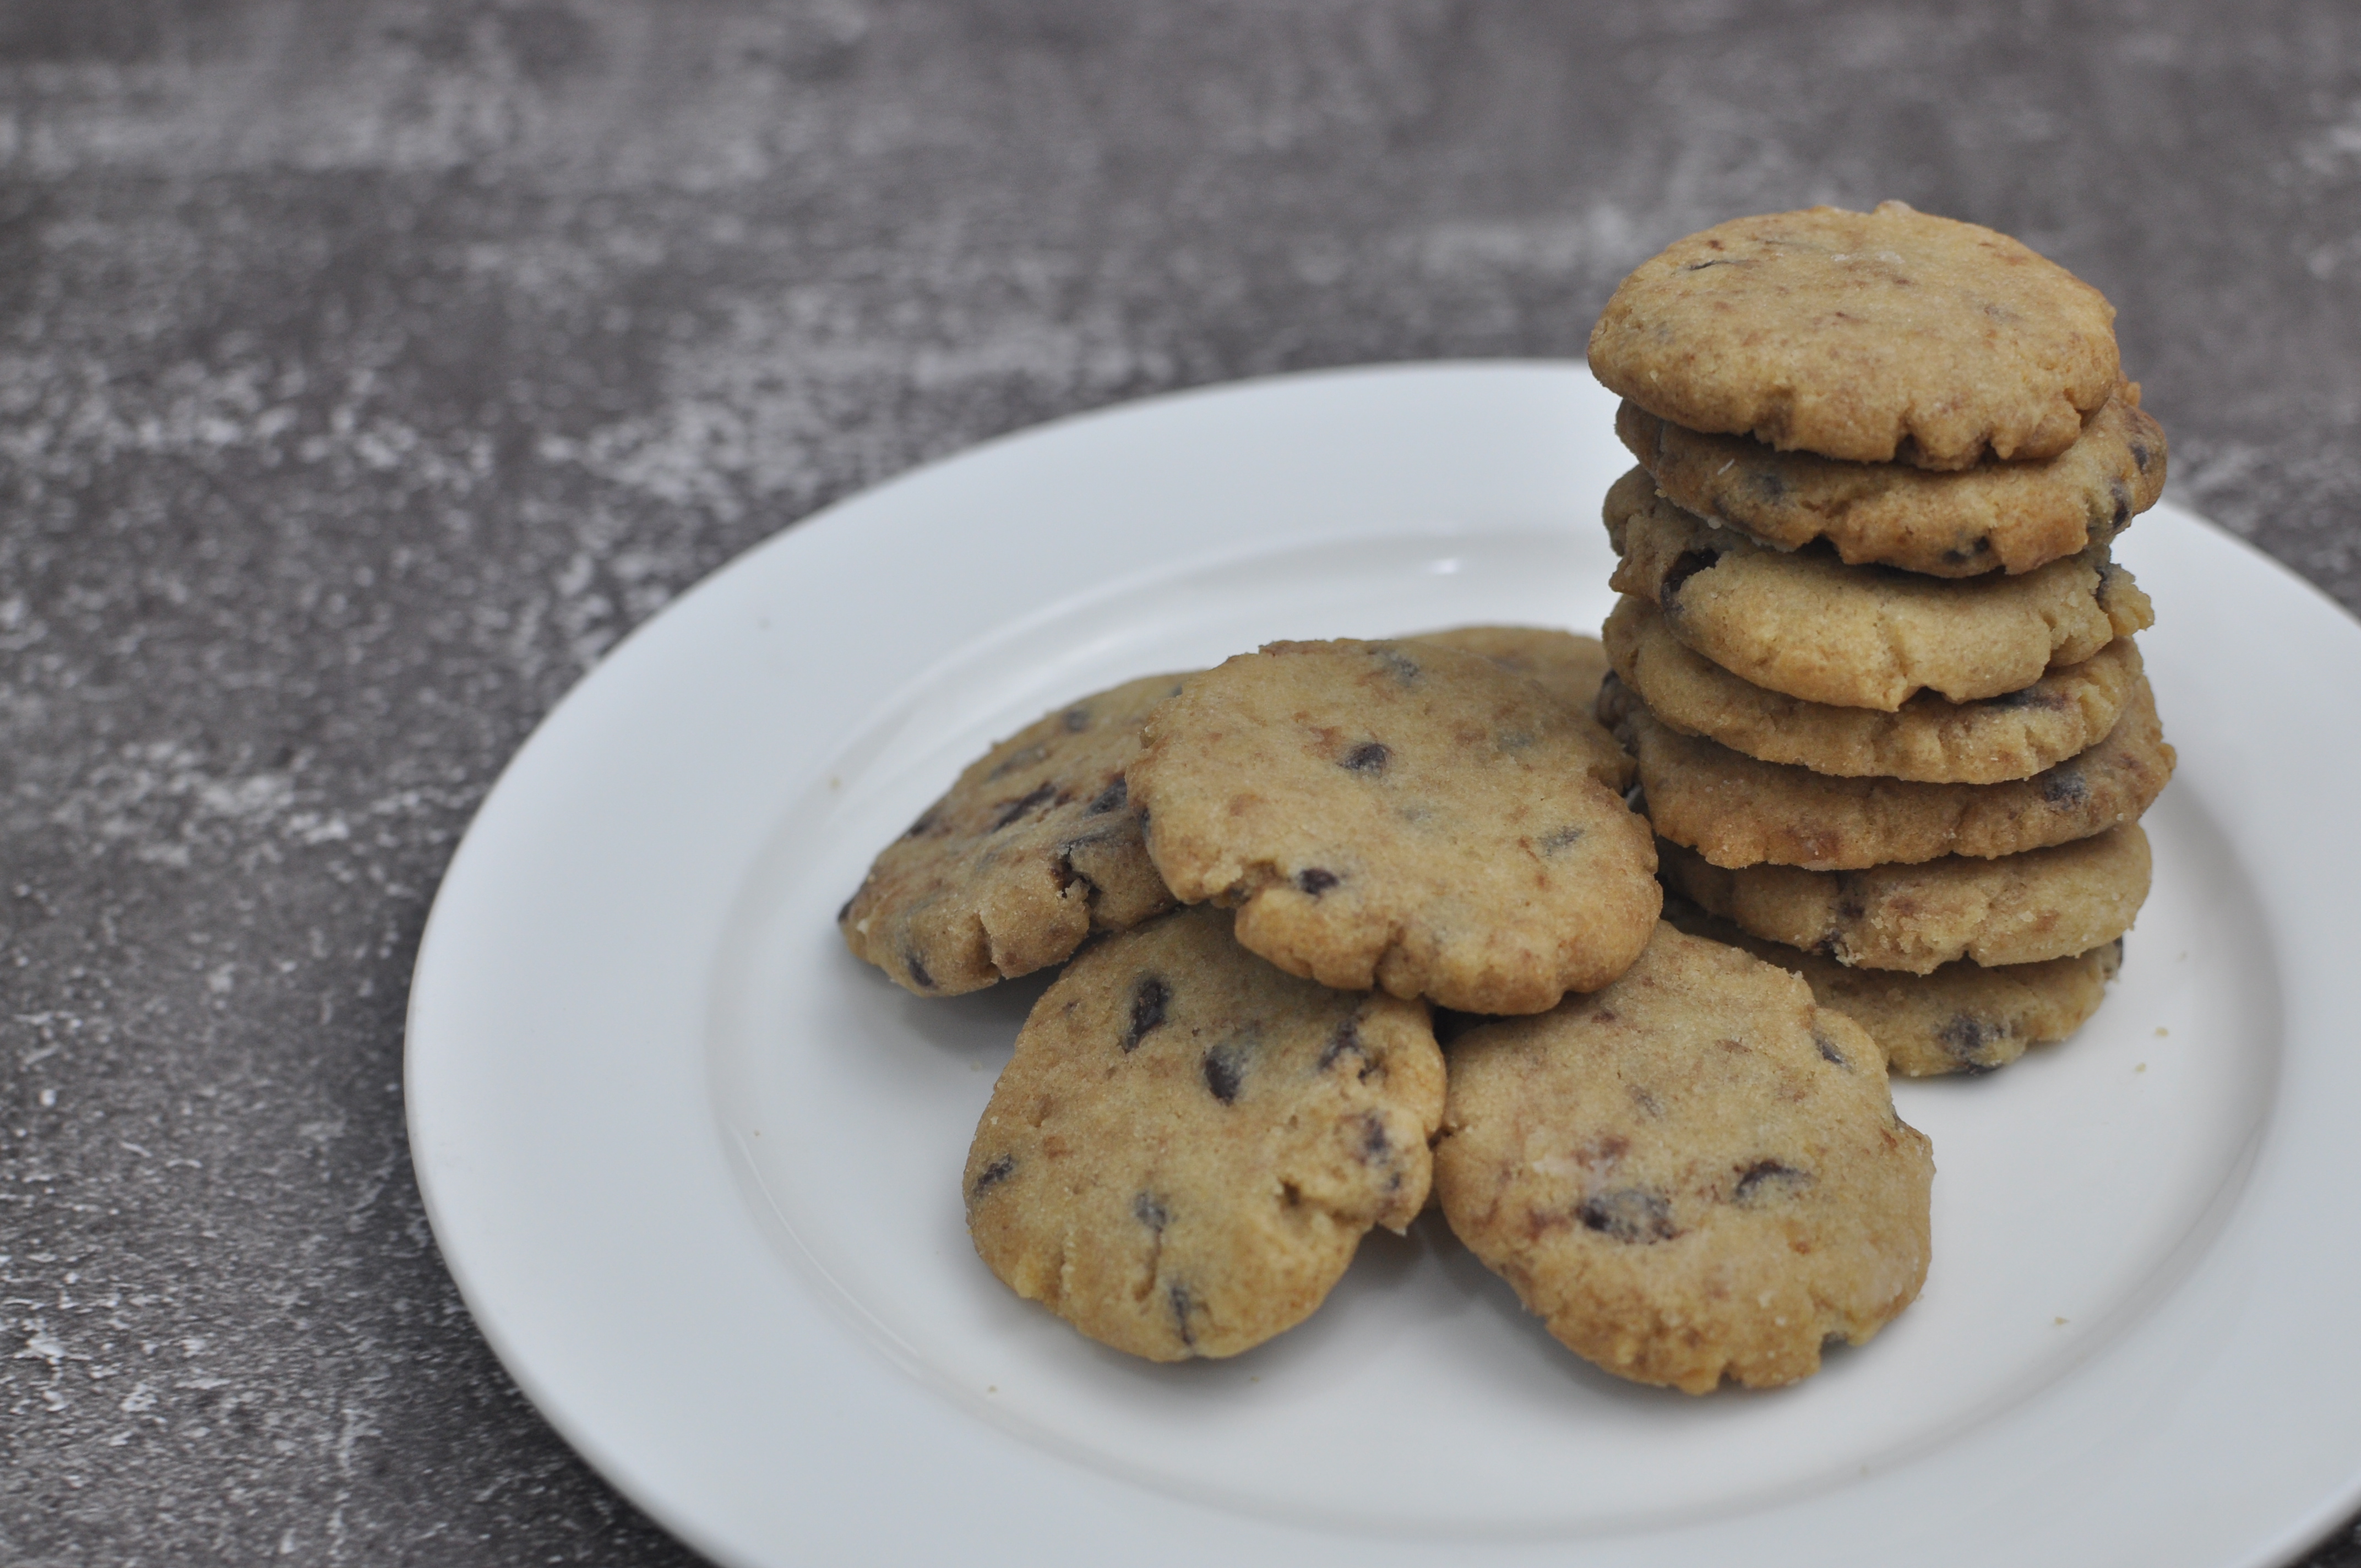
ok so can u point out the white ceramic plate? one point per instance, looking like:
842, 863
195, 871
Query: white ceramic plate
696, 1170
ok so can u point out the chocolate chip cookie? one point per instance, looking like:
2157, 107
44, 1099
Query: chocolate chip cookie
1805, 624
2013, 735
1036, 846
1695, 1174
1869, 336
1401, 815
1736, 811
1960, 1017
1188, 1145
1996, 515
2017, 909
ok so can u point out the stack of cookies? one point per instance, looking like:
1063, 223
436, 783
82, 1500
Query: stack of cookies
1873, 656
1267, 876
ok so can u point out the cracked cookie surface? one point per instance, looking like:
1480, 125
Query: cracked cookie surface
1961, 1018
1035, 848
1188, 1145
1568, 664
1401, 814
2013, 735
1869, 336
1806, 625
2017, 909
1997, 516
1736, 811
1691, 1175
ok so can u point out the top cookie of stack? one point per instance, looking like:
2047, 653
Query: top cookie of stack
1873, 655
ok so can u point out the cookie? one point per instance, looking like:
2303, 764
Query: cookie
2009, 517
1736, 811
1805, 624
1188, 1145
2018, 909
1870, 337
1036, 846
1567, 664
1696, 1174
1927, 740
1961, 1018
1401, 814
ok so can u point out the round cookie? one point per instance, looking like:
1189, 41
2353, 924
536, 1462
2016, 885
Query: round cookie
1869, 336
1927, 740
1806, 625
1736, 811
1036, 846
2011, 517
1960, 1018
1188, 1145
1695, 1174
2017, 909
1567, 664
1401, 814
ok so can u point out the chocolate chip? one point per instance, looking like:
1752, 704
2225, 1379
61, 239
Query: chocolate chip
1767, 1180
1368, 757
1376, 1148
995, 1173
1078, 719
1404, 668
1038, 795
1770, 486
1314, 881
1176, 1295
1346, 1041
1686, 564
2063, 786
1226, 1070
2141, 456
1564, 839
2123, 494
1629, 1214
846, 913
1148, 997
918, 974
1828, 1049
1149, 1211
1714, 261
1115, 797
1016, 760
1959, 556
925, 821
1965, 1039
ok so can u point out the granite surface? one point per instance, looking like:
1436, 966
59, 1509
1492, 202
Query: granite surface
368, 366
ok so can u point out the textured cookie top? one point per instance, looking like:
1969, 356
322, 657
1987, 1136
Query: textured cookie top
1805, 624
1869, 336
1188, 1145
1568, 664
1035, 847
2018, 909
1695, 1174
1961, 1018
2013, 735
1737, 811
2011, 517
1401, 814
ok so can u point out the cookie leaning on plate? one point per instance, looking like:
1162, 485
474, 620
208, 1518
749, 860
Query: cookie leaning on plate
1870, 337
1401, 814
1806, 625
1188, 1145
1036, 846
1693, 1174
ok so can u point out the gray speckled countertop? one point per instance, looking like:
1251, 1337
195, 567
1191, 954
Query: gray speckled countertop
367, 368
